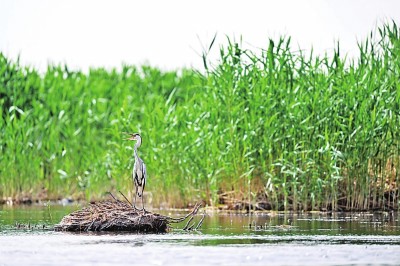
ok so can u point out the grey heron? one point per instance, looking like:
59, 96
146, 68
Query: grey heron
139, 173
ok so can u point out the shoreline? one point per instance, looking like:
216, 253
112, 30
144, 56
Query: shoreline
240, 206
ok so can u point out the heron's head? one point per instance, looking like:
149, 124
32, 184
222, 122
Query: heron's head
134, 136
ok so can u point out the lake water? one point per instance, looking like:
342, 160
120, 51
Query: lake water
224, 239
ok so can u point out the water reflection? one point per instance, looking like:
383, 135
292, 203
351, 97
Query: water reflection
224, 239
34, 214
233, 223
304, 223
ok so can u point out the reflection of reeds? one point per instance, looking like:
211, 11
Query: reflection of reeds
306, 131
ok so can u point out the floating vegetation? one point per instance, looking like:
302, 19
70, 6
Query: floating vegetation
120, 216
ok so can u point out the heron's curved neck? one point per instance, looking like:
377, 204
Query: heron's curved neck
138, 142
137, 145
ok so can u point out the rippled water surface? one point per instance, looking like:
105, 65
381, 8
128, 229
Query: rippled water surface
224, 239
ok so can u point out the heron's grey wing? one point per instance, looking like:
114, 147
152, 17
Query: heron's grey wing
134, 173
144, 175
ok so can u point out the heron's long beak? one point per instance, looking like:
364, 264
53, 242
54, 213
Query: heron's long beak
126, 133
130, 134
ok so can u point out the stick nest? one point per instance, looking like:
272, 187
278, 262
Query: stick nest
119, 216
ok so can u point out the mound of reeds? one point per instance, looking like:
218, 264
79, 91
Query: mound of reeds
120, 216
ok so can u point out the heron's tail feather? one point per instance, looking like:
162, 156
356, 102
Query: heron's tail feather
140, 192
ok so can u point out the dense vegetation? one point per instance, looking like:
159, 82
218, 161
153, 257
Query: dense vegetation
298, 131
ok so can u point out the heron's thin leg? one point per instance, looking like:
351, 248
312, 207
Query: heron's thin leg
134, 204
142, 202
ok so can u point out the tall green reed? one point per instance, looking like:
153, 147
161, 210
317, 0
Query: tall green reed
299, 131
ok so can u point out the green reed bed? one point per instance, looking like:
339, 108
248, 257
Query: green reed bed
296, 130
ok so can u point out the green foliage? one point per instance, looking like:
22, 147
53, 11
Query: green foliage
309, 132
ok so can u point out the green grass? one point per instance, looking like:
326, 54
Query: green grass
301, 131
